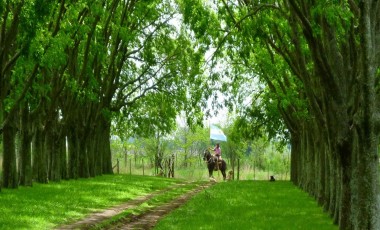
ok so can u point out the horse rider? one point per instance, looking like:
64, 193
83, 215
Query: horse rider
218, 154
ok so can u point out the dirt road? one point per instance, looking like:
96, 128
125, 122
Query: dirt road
146, 220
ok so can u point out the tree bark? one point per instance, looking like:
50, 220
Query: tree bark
365, 182
345, 158
63, 157
83, 157
97, 150
25, 153
91, 143
53, 150
73, 149
10, 179
295, 158
105, 147
40, 169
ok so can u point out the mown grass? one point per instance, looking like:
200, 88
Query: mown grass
249, 205
231, 205
45, 206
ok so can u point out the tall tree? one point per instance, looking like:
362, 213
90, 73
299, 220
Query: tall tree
329, 52
70, 68
19, 23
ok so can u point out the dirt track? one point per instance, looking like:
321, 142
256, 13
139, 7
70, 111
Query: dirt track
146, 220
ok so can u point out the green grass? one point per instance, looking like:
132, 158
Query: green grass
45, 206
148, 205
230, 205
249, 205
200, 172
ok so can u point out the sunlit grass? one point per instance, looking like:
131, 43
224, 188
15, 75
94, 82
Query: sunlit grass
45, 206
230, 205
249, 205
148, 205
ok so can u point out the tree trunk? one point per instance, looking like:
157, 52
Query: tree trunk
10, 179
54, 150
63, 157
91, 155
345, 152
295, 158
73, 154
328, 176
337, 191
98, 160
40, 169
25, 156
321, 173
105, 133
83, 157
365, 209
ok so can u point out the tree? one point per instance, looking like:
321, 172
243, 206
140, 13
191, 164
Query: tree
327, 55
192, 143
19, 23
72, 69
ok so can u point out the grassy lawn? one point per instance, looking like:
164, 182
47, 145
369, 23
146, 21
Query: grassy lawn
45, 206
158, 200
230, 205
249, 205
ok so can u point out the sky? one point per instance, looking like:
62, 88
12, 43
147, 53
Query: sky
221, 117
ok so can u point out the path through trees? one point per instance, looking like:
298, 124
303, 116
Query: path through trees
73, 73
146, 220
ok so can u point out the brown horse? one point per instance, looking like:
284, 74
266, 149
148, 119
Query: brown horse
211, 164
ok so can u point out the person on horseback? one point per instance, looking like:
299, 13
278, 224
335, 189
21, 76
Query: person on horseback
218, 154
211, 161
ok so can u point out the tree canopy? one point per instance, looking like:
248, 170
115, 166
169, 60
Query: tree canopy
316, 65
72, 70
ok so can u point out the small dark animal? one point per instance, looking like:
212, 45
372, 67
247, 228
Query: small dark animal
272, 178
230, 175
161, 173
211, 163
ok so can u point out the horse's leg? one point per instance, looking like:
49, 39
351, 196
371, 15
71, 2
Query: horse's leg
210, 168
223, 170
210, 171
224, 173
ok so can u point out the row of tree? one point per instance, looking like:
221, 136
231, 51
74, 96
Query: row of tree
70, 71
317, 68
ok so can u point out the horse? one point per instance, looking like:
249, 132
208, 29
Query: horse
211, 161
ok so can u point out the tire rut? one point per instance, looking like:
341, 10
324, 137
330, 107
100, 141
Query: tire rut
150, 218
98, 217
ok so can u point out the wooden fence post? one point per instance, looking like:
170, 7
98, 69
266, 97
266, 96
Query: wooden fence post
143, 167
238, 169
173, 159
130, 166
